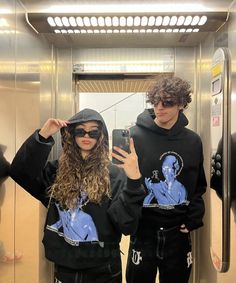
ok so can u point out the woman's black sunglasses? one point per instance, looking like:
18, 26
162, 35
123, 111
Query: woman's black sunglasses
94, 134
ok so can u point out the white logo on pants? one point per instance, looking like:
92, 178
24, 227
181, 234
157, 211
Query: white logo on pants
189, 259
136, 257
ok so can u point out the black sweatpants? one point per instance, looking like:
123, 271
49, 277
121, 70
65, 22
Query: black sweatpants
106, 273
170, 254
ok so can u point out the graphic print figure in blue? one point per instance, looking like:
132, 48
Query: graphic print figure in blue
170, 191
75, 225
91, 202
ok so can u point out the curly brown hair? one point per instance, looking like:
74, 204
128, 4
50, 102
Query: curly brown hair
173, 88
76, 175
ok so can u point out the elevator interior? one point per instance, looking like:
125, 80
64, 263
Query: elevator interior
46, 75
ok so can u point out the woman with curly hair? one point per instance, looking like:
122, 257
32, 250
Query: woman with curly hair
90, 201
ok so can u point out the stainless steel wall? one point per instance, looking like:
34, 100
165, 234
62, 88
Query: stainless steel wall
25, 60
224, 38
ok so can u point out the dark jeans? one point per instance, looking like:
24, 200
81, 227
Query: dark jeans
106, 273
170, 253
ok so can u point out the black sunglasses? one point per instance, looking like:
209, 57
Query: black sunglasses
166, 102
94, 134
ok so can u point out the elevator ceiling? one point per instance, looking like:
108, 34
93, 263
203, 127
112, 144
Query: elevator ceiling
141, 40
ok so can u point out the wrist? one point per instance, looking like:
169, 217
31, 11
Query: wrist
44, 134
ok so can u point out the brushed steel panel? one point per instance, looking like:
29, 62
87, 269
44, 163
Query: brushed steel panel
7, 141
24, 59
185, 67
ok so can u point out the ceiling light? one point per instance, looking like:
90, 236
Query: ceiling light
187, 21
158, 21
202, 21
50, 21
65, 21
122, 21
195, 20
101, 22
94, 21
180, 21
79, 21
151, 21
108, 21
135, 23
115, 21
130, 21
58, 22
173, 21
144, 21
72, 21
86, 21
166, 21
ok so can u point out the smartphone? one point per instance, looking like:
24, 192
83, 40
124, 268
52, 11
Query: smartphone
120, 138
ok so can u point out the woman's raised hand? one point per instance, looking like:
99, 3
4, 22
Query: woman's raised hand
51, 127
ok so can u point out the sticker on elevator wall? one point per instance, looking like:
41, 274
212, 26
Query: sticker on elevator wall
216, 260
216, 121
216, 106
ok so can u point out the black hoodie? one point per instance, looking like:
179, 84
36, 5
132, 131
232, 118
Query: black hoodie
89, 235
171, 157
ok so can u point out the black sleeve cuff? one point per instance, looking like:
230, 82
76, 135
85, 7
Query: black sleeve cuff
134, 183
41, 139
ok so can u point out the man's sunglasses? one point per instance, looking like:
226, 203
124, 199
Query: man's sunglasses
166, 102
94, 134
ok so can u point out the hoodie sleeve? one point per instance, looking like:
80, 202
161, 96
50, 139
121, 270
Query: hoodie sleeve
30, 168
127, 199
196, 208
4, 166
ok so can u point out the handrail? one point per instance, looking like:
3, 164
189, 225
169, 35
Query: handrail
226, 163
222, 182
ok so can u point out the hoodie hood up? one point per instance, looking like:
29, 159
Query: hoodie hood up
86, 115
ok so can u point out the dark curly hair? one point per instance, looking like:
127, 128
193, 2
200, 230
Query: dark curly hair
76, 175
174, 88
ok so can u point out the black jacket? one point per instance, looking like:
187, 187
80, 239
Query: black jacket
99, 226
171, 157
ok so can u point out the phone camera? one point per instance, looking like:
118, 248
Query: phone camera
124, 134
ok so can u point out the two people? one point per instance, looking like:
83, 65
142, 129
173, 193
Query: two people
91, 202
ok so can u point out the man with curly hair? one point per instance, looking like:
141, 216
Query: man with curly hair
90, 201
171, 163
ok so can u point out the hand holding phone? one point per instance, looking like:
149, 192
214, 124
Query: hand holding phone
124, 154
121, 139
